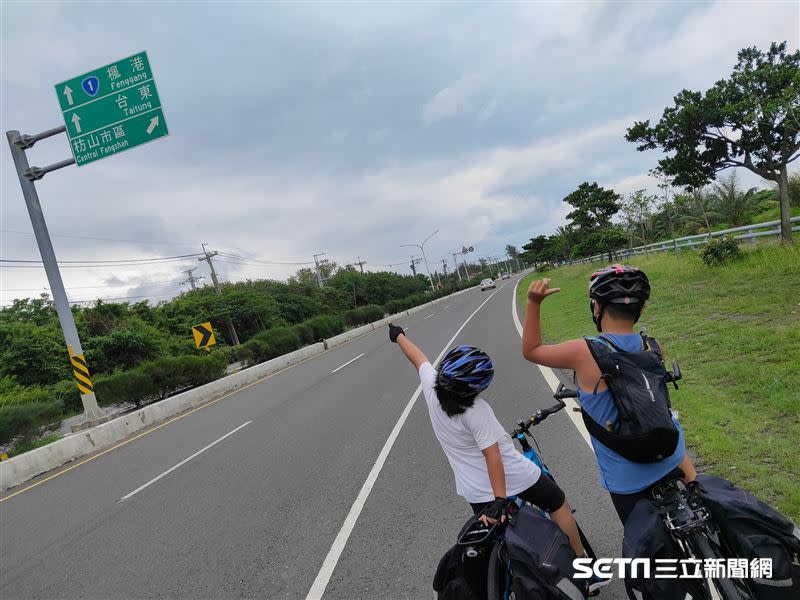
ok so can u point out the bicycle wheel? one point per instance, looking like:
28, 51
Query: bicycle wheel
497, 575
725, 588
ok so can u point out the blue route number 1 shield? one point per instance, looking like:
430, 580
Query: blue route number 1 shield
91, 85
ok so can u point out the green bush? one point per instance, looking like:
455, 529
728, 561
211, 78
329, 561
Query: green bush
363, 315
243, 354
395, 306
24, 419
67, 393
305, 332
198, 370
258, 348
280, 340
25, 395
718, 251
124, 386
159, 378
325, 326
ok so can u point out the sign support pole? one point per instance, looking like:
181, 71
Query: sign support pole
26, 175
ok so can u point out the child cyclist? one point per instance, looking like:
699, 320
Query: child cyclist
617, 297
486, 465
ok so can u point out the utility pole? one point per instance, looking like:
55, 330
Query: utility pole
455, 263
361, 264
316, 264
414, 262
27, 176
191, 279
228, 322
424, 258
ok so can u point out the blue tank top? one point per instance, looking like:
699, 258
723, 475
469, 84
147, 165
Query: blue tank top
618, 474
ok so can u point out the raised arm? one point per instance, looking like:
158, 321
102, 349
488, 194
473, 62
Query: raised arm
561, 356
415, 356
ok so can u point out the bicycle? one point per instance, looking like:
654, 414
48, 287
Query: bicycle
478, 536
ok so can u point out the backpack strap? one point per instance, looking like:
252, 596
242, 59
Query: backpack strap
600, 347
653, 346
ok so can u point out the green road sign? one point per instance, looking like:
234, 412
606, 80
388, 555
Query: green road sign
111, 109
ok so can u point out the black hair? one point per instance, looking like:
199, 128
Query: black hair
628, 312
453, 404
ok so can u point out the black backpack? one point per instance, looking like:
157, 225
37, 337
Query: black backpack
754, 530
541, 558
637, 381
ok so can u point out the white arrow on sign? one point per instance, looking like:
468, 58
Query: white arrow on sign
153, 124
68, 94
76, 120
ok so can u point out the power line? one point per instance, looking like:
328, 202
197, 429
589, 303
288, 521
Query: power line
263, 261
98, 239
94, 287
122, 261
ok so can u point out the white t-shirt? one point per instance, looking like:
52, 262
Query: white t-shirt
464, 436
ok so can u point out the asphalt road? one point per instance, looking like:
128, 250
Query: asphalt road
247, 496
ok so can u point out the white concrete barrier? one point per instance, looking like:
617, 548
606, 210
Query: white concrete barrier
26, 466
19, 469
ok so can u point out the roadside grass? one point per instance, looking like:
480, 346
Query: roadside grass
29, 445
736, 331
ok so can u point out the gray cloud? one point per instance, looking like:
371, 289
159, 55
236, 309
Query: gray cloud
349, 128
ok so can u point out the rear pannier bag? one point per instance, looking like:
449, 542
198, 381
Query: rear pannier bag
644, 432
754, 530
460, 576
540, 558
646, 536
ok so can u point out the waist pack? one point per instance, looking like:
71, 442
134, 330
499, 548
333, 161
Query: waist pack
540, 558
637, 381
647, 537
462, 571
754, 530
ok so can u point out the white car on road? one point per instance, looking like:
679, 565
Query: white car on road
505, 276
486, 284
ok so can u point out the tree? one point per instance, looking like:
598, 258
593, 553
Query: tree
696, 210
512, 251
533, 249
594, 206
734, 207
636, 208
794, 189
750, 120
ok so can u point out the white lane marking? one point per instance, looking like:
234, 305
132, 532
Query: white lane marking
573, 410
428, 317
183, 462
348, 362
325, 572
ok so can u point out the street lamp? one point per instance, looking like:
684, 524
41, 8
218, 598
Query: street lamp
422, 249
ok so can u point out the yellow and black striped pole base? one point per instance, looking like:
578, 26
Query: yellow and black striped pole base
80, 371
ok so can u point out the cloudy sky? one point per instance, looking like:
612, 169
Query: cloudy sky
348, 129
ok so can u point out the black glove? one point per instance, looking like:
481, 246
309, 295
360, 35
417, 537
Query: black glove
499, 509
394, 331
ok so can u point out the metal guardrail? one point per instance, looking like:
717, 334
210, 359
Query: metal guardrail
747, 232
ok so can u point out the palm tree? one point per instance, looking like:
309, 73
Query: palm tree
734, 207
696, 210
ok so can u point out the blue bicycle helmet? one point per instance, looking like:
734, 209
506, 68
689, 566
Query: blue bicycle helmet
465, 371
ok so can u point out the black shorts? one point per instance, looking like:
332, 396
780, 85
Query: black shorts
545, 494
625, 503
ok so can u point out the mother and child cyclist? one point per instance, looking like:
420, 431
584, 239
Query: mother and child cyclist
486, 465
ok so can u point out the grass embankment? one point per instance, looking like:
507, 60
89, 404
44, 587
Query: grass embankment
736, 331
